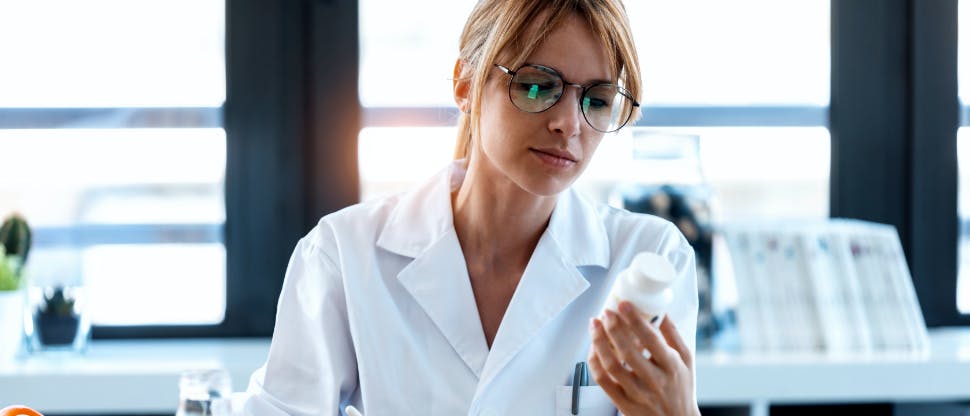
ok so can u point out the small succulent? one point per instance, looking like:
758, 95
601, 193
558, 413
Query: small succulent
14, 246
58, 301
56, 318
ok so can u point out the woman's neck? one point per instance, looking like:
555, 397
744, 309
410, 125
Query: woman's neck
496, 220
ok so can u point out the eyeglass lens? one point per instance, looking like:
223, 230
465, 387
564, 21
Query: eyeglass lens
535, 89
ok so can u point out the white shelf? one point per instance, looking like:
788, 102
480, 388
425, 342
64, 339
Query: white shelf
942, 375
142, 376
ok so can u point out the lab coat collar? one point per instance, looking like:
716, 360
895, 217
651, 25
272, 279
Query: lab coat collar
421, 226
424, 216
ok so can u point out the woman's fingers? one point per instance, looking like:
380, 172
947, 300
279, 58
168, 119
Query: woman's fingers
673, 338
628, 349
665, 356
609, 386
661, 384
611, 364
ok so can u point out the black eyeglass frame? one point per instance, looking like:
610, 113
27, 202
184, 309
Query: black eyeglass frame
585, 88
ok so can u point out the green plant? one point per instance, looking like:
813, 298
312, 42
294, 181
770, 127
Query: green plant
15, 239
15, 236
9, 278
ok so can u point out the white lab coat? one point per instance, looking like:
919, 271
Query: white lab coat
377, 311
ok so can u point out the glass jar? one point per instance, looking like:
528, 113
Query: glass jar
666, 180
205, 392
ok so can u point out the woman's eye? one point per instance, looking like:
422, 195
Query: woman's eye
593, 103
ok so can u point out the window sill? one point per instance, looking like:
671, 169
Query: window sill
124, 376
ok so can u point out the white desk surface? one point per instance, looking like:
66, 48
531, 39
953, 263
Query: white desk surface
943, 375
142, 376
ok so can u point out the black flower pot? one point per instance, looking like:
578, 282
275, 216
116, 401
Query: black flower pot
56, 330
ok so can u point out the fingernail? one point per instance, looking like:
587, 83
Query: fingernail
592, 324
610, 316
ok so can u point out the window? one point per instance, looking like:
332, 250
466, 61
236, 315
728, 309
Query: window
295, 147
111, 131
730, 101
755, 102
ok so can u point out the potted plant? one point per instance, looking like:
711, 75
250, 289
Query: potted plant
14, 246
56, 318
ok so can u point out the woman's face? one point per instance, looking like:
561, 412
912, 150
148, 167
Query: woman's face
543, 153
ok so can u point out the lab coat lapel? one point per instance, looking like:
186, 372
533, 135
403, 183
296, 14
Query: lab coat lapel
421, 227
438, 281
547, 286
575, 237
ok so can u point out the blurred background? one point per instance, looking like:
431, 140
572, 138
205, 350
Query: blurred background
168, 156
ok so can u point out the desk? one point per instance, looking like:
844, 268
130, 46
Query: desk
760, 381
142, 376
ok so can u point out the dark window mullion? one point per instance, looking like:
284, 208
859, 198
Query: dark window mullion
894, 116
292, 119
935, 112
264, 115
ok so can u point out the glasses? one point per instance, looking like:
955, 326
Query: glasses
536, 88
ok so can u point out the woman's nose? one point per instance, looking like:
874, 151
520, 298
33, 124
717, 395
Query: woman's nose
566, 118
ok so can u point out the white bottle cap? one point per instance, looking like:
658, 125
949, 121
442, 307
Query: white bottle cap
650, 273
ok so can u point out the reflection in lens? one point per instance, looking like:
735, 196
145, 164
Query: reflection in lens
604, 107
534, 89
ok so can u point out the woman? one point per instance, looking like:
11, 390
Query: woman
474, 293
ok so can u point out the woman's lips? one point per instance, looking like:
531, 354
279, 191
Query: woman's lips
554, 157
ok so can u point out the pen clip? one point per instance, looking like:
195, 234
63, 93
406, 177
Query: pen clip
585, 380
579, 379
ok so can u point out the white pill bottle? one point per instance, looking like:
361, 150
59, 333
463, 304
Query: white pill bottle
646, 284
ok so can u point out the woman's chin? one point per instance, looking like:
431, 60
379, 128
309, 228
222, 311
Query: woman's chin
548, 186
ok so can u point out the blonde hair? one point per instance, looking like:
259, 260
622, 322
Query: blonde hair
499, 27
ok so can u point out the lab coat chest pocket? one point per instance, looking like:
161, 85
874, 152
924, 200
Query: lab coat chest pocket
593, 401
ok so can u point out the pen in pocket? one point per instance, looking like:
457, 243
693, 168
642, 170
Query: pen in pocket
580, 378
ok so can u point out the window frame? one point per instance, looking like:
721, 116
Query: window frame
287, 161
85, 235
893, 117
292, 142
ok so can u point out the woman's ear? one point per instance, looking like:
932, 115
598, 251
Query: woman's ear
462, 87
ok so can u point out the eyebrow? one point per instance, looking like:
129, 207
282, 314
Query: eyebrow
599, 81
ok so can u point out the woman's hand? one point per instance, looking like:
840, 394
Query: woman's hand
662, 384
